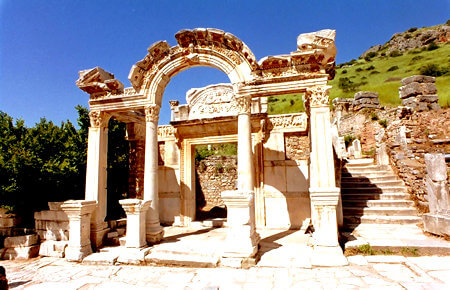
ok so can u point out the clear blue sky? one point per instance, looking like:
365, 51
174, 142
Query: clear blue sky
43, 44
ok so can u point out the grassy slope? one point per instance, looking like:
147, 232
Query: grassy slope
386, 83
388, 90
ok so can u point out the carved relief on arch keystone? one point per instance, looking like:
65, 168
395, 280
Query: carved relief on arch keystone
152, 113
98, 119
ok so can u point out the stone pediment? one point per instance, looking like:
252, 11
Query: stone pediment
212, 101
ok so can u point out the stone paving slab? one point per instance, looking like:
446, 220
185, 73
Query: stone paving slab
53, 273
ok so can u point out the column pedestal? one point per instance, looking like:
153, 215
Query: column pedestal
79, 213
242, 240
327, 251
136, 210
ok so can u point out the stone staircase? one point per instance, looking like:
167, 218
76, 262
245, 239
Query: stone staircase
373, 194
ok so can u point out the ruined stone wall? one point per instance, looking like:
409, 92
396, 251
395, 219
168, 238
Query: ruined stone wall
408, 137
214, 175
297, 146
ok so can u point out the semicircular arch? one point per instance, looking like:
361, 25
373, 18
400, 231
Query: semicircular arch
199, 47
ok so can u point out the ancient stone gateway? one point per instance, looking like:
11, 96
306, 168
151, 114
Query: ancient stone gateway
268, 175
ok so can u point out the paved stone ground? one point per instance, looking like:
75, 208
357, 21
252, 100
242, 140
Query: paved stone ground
373, 272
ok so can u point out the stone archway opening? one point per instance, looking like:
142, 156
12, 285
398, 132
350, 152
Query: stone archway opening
215, 171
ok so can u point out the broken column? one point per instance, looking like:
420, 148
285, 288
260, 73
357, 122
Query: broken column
419, 93
79, 213
135, 210
438, 220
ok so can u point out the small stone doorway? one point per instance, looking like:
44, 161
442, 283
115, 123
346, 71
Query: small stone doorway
215, 171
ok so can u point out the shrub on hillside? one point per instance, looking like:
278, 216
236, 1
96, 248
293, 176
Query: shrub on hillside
395, 53
359, 69
370, 67
392, 68
412, 29
344, 71
432, 46
347, 85
433, 70
374, 72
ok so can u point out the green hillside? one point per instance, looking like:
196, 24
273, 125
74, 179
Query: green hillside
383, 73
381, 69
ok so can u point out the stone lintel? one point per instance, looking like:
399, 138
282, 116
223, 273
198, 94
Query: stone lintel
237, 198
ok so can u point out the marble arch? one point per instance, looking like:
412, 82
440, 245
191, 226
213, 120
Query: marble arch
305, 70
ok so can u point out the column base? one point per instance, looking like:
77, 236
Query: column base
154, 236
77, 254
98, 233
328, 256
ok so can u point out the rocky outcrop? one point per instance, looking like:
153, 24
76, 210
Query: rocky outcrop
412, 39
419, 93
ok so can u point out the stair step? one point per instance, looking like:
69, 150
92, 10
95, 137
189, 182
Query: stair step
190, 260
375, 196
369, 174
358, 162
380, 211
367, 184
391, 189
378, 203
368, 168
348, 179
349, 220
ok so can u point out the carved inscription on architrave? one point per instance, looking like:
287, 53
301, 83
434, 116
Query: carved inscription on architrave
291, 122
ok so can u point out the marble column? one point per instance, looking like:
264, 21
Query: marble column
245, 159
136, 211
79, 214
242, 239
96, 174
324, 194
154, 231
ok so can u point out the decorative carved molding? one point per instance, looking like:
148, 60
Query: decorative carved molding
167, 131
291, 121
244, 105
98, 119
317, 96
152, 113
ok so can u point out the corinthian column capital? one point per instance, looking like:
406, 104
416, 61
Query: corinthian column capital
98, 119
317, 96
244, 105
152, 113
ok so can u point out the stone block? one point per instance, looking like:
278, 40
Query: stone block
20, 253
51, 215
361, 95
169, 208
275, 178
428, 88
55, 205
8, 222
436, 167
410, 90
21, 241
297, 178
53, 249
274, 147
418, 79
437, 224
